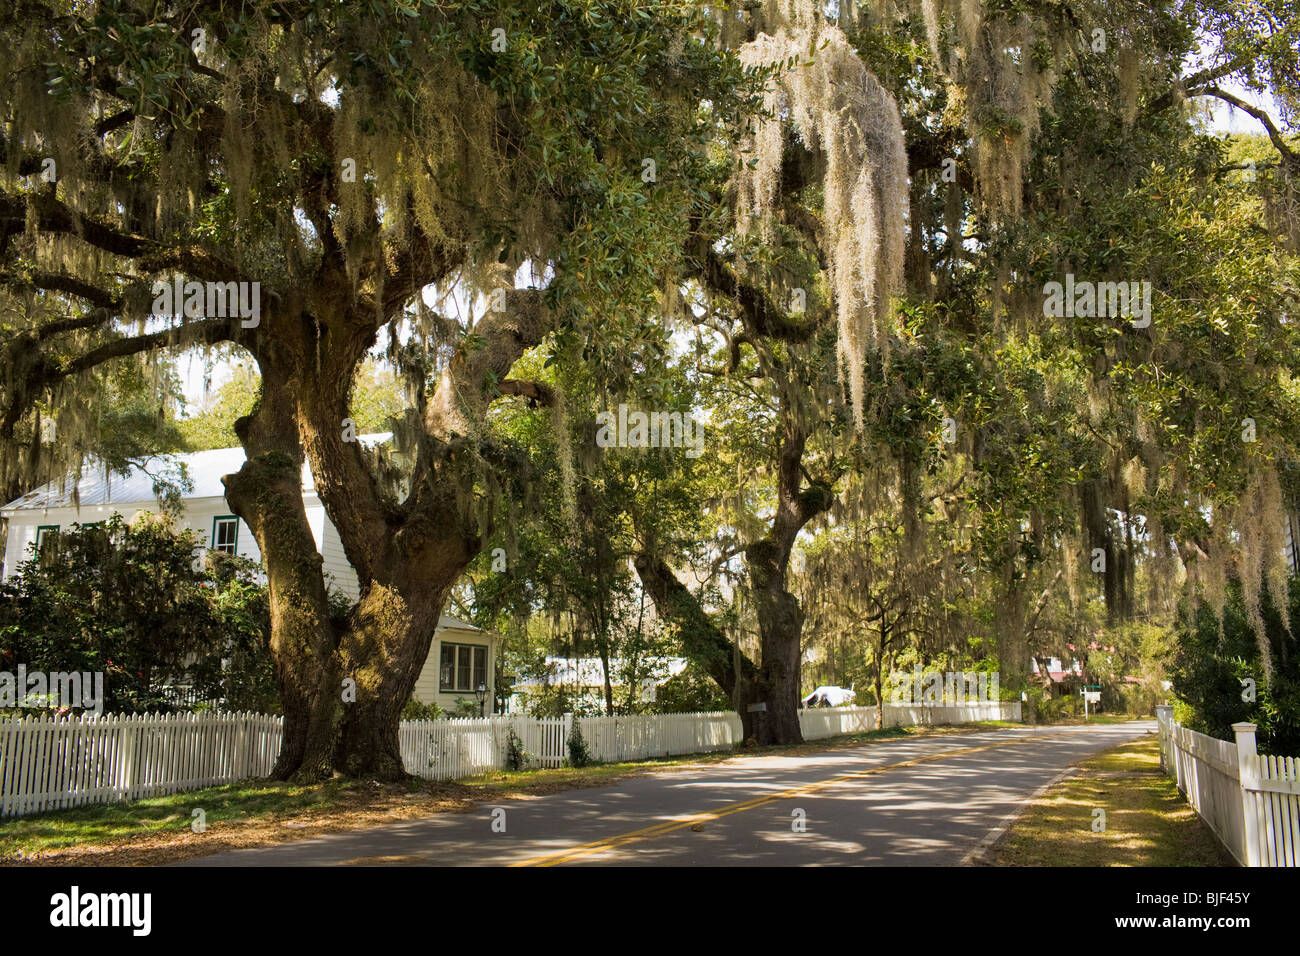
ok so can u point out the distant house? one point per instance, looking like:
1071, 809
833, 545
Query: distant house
462, 656
585, 676
1062, 677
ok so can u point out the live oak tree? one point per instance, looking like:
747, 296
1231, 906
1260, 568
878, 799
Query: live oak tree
1012, 118
364, 163
918, 171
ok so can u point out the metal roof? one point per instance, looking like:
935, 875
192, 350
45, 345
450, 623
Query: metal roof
99, 485
446, 620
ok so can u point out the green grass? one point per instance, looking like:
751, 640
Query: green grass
1148, 822
105, 823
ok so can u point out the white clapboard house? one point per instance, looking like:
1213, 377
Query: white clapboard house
462, 655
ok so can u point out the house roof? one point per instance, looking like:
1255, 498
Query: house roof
446, 620
590, 671
99, 485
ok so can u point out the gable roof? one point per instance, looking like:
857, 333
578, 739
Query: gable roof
100, 486
455, 623
590, 671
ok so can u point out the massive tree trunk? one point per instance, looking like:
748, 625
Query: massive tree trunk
344, 683
780, 624
780, 619
766, 696
267, 494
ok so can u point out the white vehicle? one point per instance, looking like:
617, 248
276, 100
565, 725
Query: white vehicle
830, 697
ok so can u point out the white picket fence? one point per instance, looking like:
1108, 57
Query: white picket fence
448, 749
821, 722
612, 739
1250, 800
51, 763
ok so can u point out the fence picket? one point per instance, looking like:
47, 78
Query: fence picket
1249, 800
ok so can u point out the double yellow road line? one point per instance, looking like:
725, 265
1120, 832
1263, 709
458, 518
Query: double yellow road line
659, 829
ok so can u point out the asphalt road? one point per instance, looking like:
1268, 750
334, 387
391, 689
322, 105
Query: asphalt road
920, 802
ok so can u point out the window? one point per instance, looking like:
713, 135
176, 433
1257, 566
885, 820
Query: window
462, 667
47, 535
225, 534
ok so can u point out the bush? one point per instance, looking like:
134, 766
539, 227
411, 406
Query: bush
1041, 708
1214, 657
690, 692
418, 710
579, 755
516, 756
1139, 700
556, 701
466, 708
129, 601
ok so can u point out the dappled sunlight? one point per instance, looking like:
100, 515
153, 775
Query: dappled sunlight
922, 802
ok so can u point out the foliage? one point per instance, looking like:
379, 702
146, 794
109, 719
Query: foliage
918, 465
133, 602
376, 401
579, 756
466, 708
558, 701
516, 756
690, 692
417, 710
1215, 657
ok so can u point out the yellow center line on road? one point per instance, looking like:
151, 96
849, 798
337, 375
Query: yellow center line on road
634, 836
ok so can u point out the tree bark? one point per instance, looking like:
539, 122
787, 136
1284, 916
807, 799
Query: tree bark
780, 619
880, 679
780, 623
267, 494
343, 683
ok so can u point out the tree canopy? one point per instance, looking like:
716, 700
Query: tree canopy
989, 333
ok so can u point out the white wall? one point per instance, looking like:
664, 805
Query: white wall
198, 515
337, 569
427, 684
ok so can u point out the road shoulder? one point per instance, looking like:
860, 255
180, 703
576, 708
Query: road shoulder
1116, 808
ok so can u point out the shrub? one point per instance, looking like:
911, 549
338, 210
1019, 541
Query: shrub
418, 710
556, 701
1042, 708
1214, 657
691, 691
579, 755
1140, 700
130, 601
516, 757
